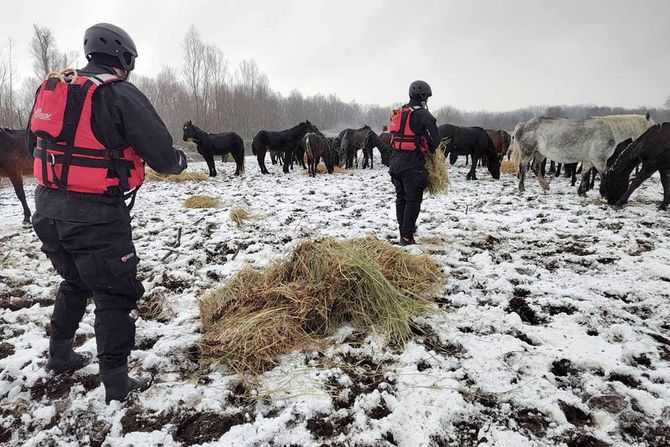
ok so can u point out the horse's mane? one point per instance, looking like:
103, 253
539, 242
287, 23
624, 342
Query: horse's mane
624, 126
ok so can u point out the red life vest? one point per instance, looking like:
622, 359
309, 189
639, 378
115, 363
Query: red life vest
402, 137
68, 155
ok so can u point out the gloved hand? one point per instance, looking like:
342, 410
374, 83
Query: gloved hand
182, 160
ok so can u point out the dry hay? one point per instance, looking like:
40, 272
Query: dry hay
321, 169
153, 176
509, 167
438, 172
239, 215
259, 315
197, 201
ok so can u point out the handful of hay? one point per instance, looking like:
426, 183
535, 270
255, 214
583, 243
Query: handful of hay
259, 315
202, 202
438, 173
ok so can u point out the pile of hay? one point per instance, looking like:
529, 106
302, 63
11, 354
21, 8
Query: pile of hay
438, 172
153, 176
509, 167
197, 201
239, 215
259, 315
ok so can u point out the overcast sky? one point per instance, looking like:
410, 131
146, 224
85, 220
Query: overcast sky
476, 54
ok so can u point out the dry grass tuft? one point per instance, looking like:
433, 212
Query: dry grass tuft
239, 215
153, 176
509, 167
438, 172
259, 315
321, 169
197, 201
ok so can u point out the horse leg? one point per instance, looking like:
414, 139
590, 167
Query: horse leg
523, 167
473, 167
645, 172
665, 181
584, 184
552, 167
260, 156
538, 166
209, 158
17, 182
288, 160
559, 166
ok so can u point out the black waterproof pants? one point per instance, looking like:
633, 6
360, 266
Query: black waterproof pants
95, 260
409, 186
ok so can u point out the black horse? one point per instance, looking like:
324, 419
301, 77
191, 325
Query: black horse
211, 144
284, 140
472, 141
652, 149
353, 140
374, 141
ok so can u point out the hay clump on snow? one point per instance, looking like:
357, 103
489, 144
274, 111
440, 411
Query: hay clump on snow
239, 215
197, 201
509, 167
438, 172
153, 176
259, 315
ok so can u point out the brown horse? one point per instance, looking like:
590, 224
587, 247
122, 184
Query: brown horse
501, 141
14, 163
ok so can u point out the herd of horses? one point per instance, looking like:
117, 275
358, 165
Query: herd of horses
611, 147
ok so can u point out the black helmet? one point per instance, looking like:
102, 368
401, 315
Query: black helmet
420, 90
110, 40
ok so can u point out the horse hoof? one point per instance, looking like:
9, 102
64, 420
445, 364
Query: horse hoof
663, 207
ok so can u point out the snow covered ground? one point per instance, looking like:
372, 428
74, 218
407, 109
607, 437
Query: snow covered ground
553, 328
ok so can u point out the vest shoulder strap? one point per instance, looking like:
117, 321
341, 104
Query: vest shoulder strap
104, 78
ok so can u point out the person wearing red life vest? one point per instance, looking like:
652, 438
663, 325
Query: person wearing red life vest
91, 132
413, 134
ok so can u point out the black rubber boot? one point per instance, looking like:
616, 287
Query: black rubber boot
404, 240
118, 385
62, 357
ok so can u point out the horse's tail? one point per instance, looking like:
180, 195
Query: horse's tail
516, 148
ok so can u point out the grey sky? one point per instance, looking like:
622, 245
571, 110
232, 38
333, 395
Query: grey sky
476, 54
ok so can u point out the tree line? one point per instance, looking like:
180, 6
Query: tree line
218, 97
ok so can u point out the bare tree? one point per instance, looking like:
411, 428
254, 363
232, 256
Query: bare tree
667, 103
194, 68
46, 57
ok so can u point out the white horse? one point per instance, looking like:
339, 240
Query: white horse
590, 141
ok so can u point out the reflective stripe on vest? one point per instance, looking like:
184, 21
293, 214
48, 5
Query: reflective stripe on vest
402, 136
68, 155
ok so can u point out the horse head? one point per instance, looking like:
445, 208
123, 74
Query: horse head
311, 127
189, 131
494, 165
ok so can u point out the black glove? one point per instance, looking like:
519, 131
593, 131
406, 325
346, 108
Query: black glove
182, 160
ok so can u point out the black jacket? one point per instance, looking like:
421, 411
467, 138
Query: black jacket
121, 115
422, 122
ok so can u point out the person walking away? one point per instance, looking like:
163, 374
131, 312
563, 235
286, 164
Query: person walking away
91, 132
413, 134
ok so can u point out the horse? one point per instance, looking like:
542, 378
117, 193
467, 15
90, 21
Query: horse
374, 141
353, 140
385, 138
283, 140
472, 141
210, 144
591, 141
317, 147
300, 151
652, 149
501, 141
565, 141
15, 162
